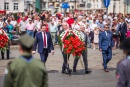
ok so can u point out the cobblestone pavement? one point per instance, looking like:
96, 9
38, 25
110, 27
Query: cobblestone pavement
98, 78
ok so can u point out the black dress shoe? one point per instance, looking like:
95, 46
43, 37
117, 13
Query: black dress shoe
74, 70
64, 72
88, 72
106, 70
69, 71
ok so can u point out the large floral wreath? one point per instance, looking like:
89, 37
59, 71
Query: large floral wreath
71, 43
3, 40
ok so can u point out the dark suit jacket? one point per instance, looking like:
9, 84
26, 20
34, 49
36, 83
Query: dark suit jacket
123, 28
39, 41
105, 41
86, 39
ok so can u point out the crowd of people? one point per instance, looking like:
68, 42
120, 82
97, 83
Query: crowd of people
93, 22
96, 29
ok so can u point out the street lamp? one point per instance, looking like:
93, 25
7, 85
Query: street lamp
114, 7
75, 4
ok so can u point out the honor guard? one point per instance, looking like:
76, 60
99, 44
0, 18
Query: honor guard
25, 71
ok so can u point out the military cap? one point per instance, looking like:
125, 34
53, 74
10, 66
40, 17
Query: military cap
125, 45
27, 41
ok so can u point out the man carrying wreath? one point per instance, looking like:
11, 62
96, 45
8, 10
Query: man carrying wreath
83, 37
65, 67
5, 32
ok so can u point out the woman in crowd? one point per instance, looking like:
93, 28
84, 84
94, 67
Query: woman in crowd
38, 23
96, 39
11, 29
128, 29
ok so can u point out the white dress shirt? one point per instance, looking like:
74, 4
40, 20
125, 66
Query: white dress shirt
43, 39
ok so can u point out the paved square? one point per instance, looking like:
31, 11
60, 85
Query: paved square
98, 78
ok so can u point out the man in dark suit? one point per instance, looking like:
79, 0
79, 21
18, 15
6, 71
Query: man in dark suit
44, 42
105, 45
84, 54
122, 30
65, 67
8, 50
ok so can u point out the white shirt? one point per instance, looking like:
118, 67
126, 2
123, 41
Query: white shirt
93, 26
43, 39
22, 25
53, 28
75, 26
13, 23
104, 22
38, 25
105, 16
1, 24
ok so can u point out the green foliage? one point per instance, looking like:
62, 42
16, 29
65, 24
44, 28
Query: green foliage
4, 49
38, 10
55, 11
60, 41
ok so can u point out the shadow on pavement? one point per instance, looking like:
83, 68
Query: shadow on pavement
53, 71
7, 59
111, 69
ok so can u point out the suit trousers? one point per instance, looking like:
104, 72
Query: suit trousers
53, 36
65, 63
44, 55
107, 56
85, 60
7, 52
122, 37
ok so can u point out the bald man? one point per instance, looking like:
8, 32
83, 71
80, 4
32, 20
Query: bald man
82, 37
65, 67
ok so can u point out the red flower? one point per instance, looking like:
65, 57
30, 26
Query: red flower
72, 44
3, 41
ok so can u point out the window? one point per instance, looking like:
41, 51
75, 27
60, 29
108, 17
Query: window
15, 6
6, 6
82, 5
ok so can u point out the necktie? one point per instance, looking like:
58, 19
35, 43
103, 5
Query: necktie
44, 39
107, 34
121, 24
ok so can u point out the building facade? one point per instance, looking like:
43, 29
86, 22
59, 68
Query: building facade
116, 6
12, 5
29, 5
127, 6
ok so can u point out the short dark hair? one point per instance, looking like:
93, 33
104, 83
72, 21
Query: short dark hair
43, 25
8, 21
